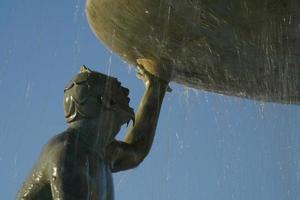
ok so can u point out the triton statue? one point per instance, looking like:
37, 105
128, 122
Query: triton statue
78, 163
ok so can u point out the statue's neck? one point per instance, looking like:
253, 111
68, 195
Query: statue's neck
91, 125
92, 134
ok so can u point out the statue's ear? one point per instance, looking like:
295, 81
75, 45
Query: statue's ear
83, 68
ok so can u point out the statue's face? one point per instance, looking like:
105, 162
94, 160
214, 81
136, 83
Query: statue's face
116, 101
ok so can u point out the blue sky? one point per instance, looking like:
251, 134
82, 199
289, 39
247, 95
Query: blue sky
207, 146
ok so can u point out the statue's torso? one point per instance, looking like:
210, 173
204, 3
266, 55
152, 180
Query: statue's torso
79, 159
68, 167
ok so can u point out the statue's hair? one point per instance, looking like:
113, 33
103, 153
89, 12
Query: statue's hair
80, 100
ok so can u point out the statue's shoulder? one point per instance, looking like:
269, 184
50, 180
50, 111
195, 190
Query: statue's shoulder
56, 145
57, 140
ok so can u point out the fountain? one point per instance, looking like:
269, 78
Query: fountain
245, 48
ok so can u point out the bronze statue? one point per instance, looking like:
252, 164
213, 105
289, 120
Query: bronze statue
78, 163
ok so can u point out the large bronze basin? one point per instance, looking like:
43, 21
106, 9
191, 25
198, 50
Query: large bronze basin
244, 48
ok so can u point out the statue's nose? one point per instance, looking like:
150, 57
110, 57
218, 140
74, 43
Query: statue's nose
125, 91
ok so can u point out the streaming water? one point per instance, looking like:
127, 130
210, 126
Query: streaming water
207, 146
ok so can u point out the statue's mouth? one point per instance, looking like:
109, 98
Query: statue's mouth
126, 107
131, 114
123, 101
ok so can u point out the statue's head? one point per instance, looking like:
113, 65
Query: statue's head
89, 93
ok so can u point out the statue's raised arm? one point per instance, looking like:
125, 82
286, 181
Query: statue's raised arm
138, 140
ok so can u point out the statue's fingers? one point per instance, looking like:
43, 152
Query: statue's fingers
139, 72
140, 69
140, 76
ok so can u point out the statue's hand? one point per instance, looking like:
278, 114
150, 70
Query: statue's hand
145, 76
148, 78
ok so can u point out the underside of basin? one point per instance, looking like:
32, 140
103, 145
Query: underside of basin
246, 48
